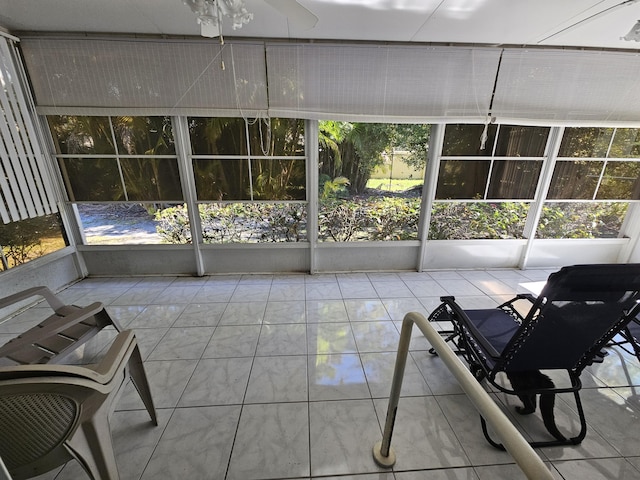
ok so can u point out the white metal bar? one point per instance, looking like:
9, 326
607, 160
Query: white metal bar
524, 455
436, 140
185, 167
311, 151
4, 473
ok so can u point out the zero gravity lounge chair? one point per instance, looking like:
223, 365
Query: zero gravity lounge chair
564, 329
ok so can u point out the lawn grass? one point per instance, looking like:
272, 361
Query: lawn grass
394, 185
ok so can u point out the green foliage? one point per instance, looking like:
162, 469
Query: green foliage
581, 220
477, 220
173, 224
414, 138
336, 188
377, 218
387, 219
354, 150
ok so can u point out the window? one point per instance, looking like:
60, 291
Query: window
585, 142
596, 175
119, 171
510, 169
484, 188
370, 180
269, 166
113, 159
575, 179
250, 178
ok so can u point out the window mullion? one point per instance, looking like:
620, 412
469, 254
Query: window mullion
185, 167
115, 148
434, 152
535, 210
248, 140
311, 149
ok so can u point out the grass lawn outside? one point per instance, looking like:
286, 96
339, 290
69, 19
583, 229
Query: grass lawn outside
394, 185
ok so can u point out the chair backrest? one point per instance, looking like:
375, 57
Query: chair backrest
32, 425
578, 311
39, 414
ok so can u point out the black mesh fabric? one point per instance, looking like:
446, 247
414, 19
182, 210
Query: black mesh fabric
583, 304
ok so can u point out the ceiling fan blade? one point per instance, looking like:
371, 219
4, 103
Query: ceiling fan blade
297, 14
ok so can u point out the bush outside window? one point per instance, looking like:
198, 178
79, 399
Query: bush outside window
477, 220
29, 239
581, 219
236, 223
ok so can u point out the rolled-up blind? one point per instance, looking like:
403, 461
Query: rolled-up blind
341, 81
146, 77
568, 87
380, 82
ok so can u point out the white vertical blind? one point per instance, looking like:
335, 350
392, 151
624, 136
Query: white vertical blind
25, 184
146, 77
380, 82
568, 87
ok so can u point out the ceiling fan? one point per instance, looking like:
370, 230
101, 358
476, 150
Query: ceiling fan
210, 13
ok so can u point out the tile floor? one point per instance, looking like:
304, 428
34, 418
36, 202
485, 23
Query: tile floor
287, 377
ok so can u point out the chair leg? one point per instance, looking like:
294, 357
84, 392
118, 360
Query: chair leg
552, 443
103, 319
92, 446
139, 379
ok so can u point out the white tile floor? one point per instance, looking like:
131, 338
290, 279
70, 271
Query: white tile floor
287, 377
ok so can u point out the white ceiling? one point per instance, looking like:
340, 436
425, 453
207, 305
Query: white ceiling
576, 23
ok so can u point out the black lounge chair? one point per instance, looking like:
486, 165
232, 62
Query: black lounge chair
565, 328
629, 338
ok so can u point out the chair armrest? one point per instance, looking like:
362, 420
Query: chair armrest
48, 295
119, 352
520, 296
62, 323
102, 373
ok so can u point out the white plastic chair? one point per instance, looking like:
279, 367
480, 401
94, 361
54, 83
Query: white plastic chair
53, 339
50, 414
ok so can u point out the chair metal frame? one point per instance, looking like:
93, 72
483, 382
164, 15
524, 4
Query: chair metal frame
517, 354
